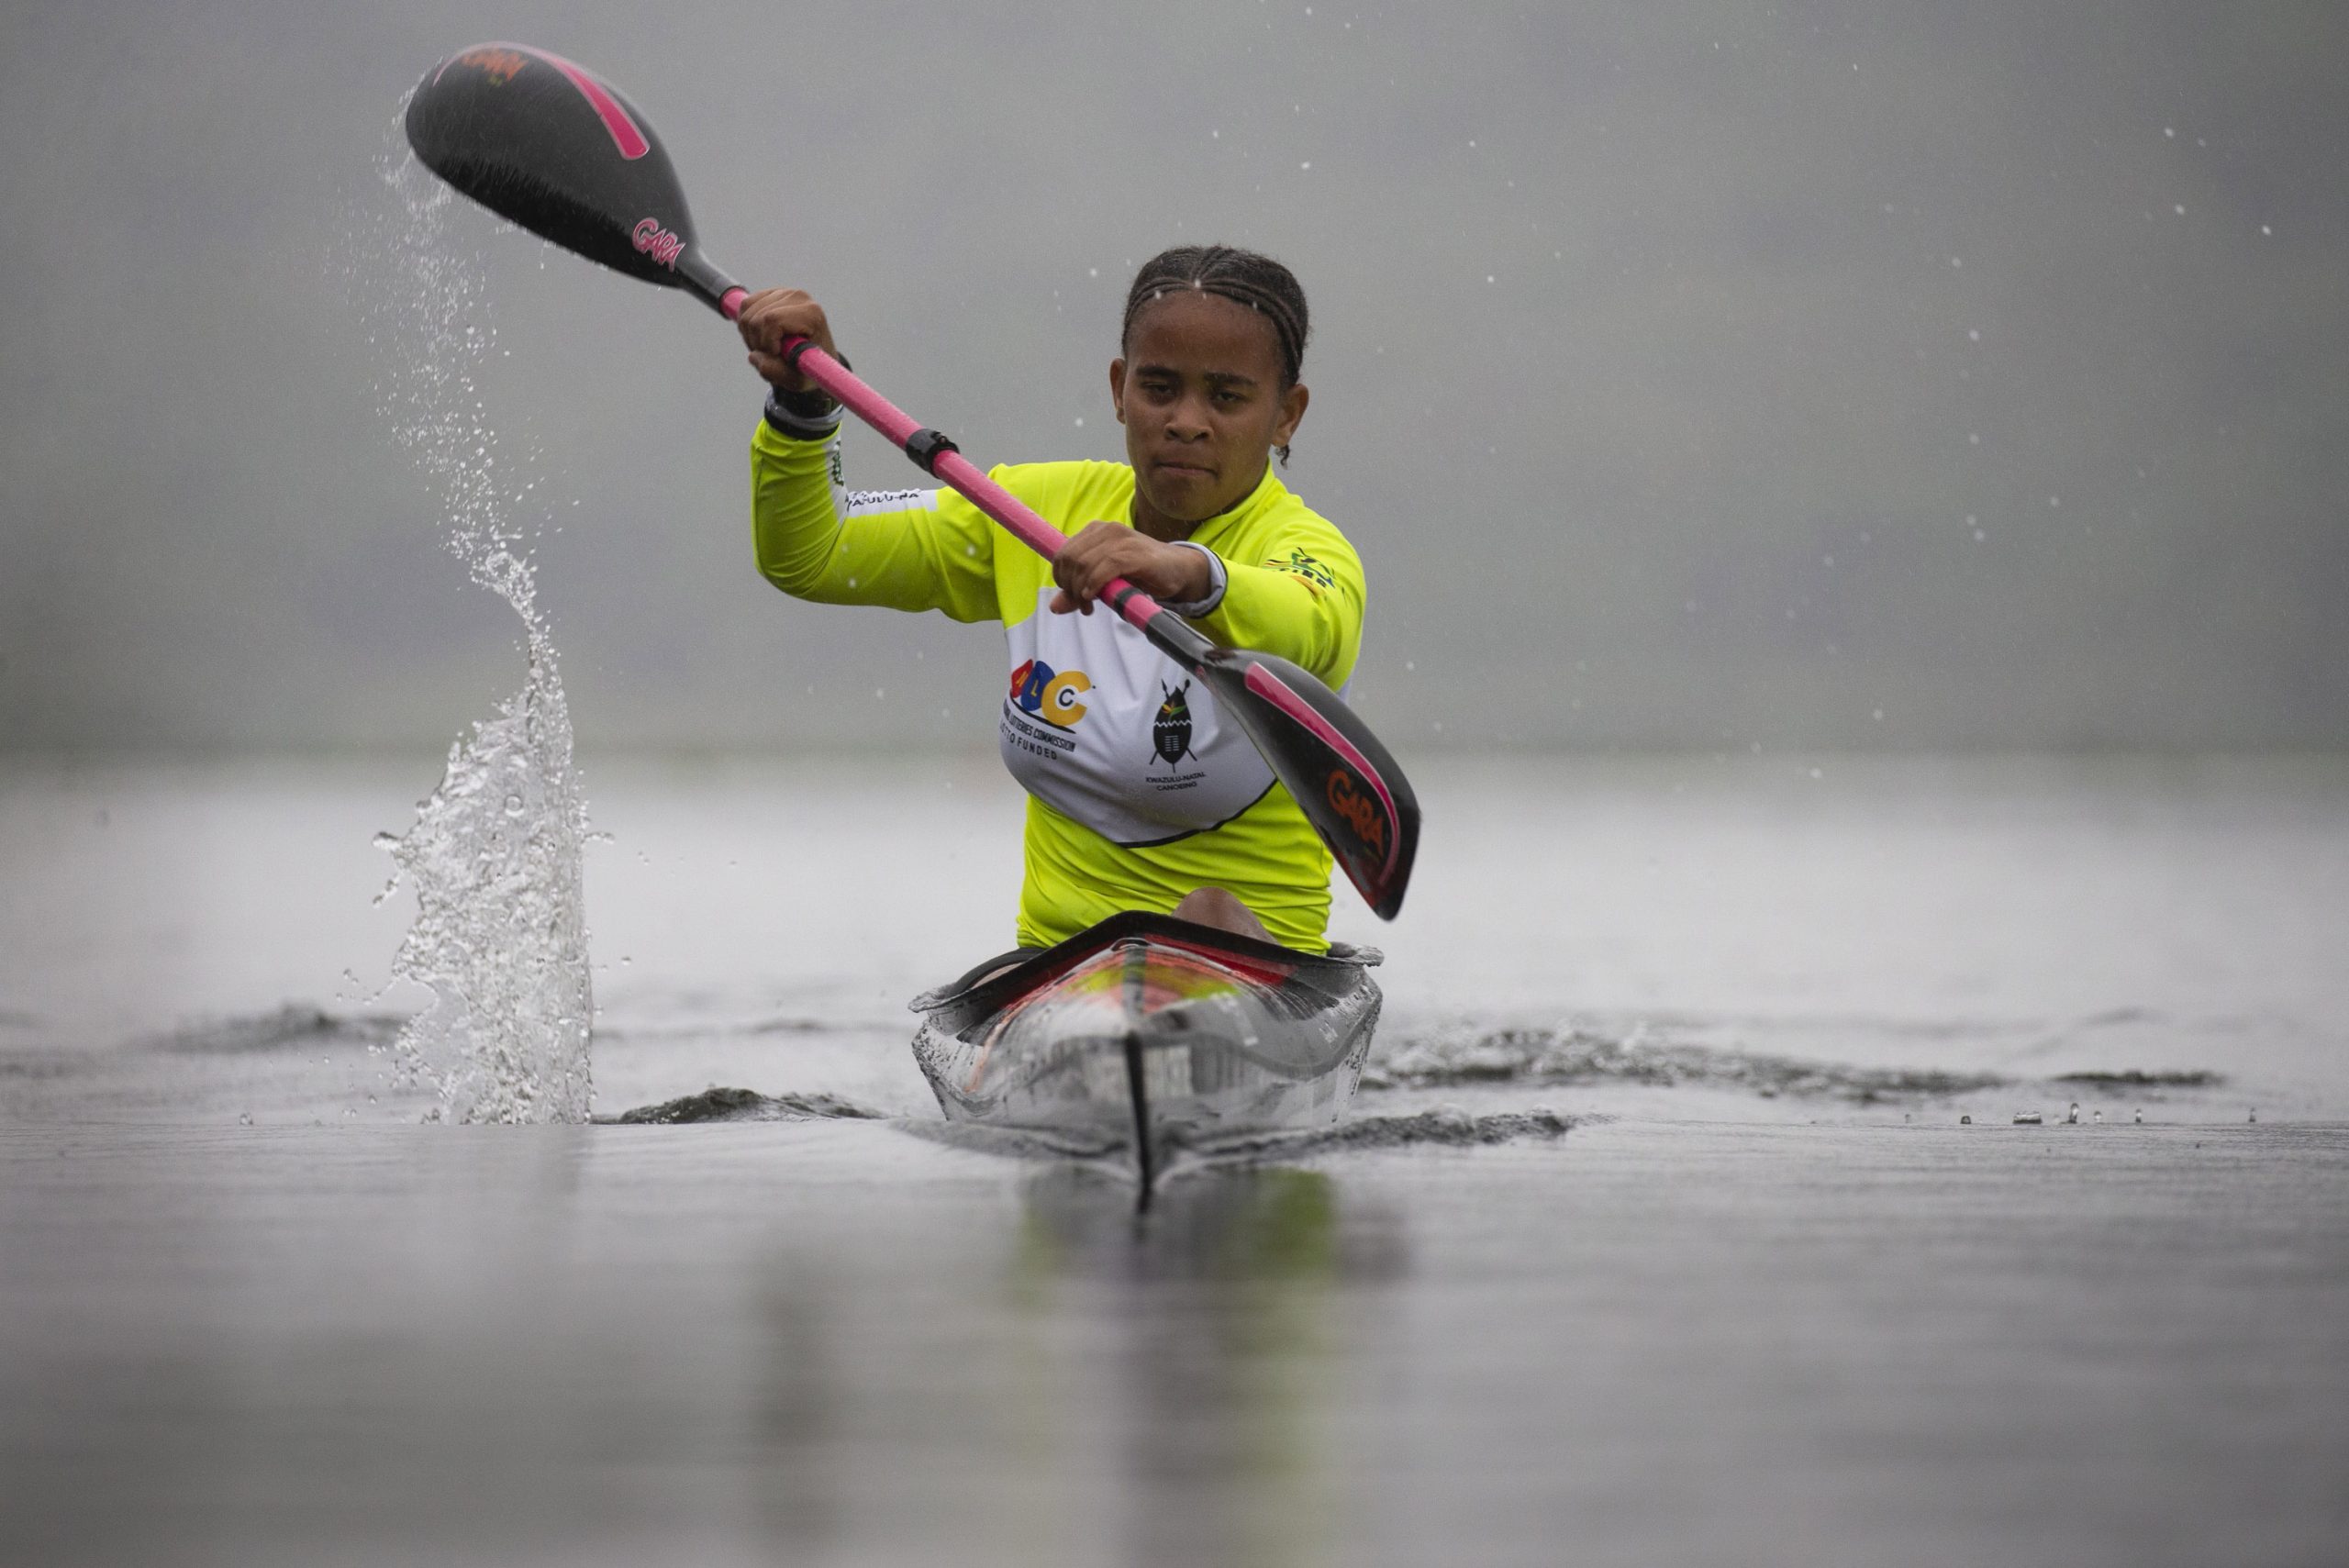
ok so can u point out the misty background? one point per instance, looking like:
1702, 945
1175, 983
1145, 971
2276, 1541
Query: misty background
1719, 376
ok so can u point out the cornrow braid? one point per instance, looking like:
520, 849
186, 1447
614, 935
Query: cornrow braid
1244, 277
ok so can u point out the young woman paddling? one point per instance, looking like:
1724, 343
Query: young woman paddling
1141, 795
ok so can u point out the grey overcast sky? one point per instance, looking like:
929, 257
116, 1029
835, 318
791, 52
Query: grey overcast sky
1816, 374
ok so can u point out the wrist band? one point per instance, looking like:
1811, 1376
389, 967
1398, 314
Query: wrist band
1217, 581
809, 416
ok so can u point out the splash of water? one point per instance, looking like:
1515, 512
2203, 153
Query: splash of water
496, 855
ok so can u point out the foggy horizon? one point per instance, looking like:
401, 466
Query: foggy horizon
1839, 379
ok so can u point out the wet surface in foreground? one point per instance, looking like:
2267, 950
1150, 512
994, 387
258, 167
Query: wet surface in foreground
786, 1342
1656, 1236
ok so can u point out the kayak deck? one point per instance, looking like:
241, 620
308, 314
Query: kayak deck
1147, 1034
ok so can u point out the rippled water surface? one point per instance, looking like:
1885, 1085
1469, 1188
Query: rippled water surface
1684, 1217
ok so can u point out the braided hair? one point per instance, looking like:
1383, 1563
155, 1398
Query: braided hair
1244, 277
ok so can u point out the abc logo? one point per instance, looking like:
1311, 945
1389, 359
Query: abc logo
1037, 688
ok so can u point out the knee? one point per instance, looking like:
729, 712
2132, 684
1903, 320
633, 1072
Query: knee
1215, 907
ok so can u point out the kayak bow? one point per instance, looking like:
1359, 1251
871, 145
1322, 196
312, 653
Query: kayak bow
1150, 1035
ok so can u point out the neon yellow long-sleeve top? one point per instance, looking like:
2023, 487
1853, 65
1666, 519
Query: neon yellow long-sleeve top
1139, 790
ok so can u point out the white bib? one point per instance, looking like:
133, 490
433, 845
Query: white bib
1106, 729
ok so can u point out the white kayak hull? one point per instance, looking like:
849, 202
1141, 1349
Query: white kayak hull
1150, 1036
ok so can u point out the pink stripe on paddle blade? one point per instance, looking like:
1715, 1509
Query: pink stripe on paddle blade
625, 134
1277, 692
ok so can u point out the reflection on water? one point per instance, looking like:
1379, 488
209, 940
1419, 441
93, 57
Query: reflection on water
815, 1341
798, 1422
1223, 1328
1081, 1385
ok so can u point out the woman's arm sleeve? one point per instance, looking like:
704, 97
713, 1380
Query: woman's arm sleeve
819, 541
1304, 603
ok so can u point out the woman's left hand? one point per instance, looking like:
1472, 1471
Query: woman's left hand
1105, 552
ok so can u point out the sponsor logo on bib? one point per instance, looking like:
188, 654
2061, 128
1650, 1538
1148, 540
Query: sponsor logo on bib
1170, 732
1053, 695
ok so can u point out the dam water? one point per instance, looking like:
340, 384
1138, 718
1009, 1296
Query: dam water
1687, 1217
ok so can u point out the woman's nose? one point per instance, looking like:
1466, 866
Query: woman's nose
1189, 419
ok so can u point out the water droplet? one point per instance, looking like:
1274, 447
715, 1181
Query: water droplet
244, 1118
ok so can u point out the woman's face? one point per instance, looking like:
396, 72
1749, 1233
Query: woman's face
1200, 394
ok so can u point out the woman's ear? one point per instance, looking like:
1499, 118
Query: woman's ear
1293, 403
1118, 387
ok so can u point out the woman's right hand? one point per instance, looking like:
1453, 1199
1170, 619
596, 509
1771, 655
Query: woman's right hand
768, 317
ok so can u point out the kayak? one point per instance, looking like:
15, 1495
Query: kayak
1146, 1036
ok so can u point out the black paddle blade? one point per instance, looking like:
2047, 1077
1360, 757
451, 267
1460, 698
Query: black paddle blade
561, 151
1343, 780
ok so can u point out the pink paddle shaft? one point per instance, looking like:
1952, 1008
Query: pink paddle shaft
956, 470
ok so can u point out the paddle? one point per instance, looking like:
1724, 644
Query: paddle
557, 149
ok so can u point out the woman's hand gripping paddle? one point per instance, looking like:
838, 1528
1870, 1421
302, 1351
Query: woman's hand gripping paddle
554, 147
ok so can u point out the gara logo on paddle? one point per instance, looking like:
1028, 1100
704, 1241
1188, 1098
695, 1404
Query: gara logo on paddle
658, 242
1358, 808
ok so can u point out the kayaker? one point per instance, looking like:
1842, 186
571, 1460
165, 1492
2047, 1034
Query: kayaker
1141, 795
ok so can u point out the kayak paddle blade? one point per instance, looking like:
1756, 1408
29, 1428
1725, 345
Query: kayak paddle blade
556, 149
1343, 779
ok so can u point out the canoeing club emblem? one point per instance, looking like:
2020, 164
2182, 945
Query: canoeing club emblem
1170, 732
